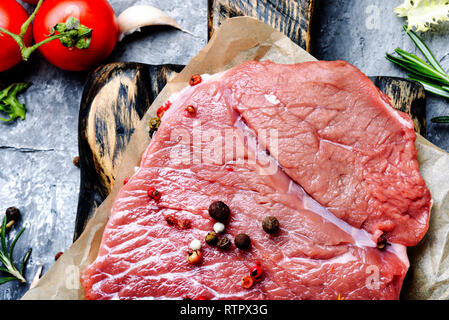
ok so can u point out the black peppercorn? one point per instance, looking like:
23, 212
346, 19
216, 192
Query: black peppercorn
382, 242
224, 243
219, 211
270, 224
154, 125
12, 213
212, 239
242, 241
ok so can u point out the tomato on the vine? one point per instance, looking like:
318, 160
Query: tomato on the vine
12, 16
97, 15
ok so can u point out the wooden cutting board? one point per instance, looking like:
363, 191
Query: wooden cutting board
292, 17
117, 95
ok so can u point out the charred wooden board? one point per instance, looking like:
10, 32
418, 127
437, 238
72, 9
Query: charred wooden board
292, 17
115, 98
407, 96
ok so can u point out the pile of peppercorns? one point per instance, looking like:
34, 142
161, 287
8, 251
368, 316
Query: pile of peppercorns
220, 212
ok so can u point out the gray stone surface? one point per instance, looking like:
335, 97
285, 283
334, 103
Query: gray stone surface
36, 170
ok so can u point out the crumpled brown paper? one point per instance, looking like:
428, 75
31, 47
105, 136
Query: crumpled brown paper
238, 40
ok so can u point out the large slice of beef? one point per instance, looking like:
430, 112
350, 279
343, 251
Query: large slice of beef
314, 144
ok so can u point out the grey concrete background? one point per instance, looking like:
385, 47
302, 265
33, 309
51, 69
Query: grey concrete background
36, 170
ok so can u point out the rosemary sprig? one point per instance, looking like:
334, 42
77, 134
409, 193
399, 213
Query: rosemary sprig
430, 74
444, 119
6, 257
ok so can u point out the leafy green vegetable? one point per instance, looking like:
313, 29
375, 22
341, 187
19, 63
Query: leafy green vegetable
9, 103
430, 74
421, 14
6, 257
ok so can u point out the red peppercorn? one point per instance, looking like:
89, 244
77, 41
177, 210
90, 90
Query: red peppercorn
180, 223
256, 272
195, 79
76, 161
58, 255
247, 282
161, 111
190, 109
194, 256
153, 193
171, 220
184, 223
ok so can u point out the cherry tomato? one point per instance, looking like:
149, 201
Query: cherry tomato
97, 15
12, 16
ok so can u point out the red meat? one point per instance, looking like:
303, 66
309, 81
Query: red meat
314, 144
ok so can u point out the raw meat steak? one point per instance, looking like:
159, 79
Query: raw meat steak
314, 144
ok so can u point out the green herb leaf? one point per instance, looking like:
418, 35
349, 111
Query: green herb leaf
430, 74
3, 235
25, 260
419, 64
4, 270
6, 256
444, 119
7, 279
430, 87
9, 102
411, 67
13, 244
424, 49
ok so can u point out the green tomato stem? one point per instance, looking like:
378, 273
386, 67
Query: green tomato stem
24, 28
16, 37
27, 51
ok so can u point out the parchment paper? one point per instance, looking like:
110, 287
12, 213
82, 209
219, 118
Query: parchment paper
238, 40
